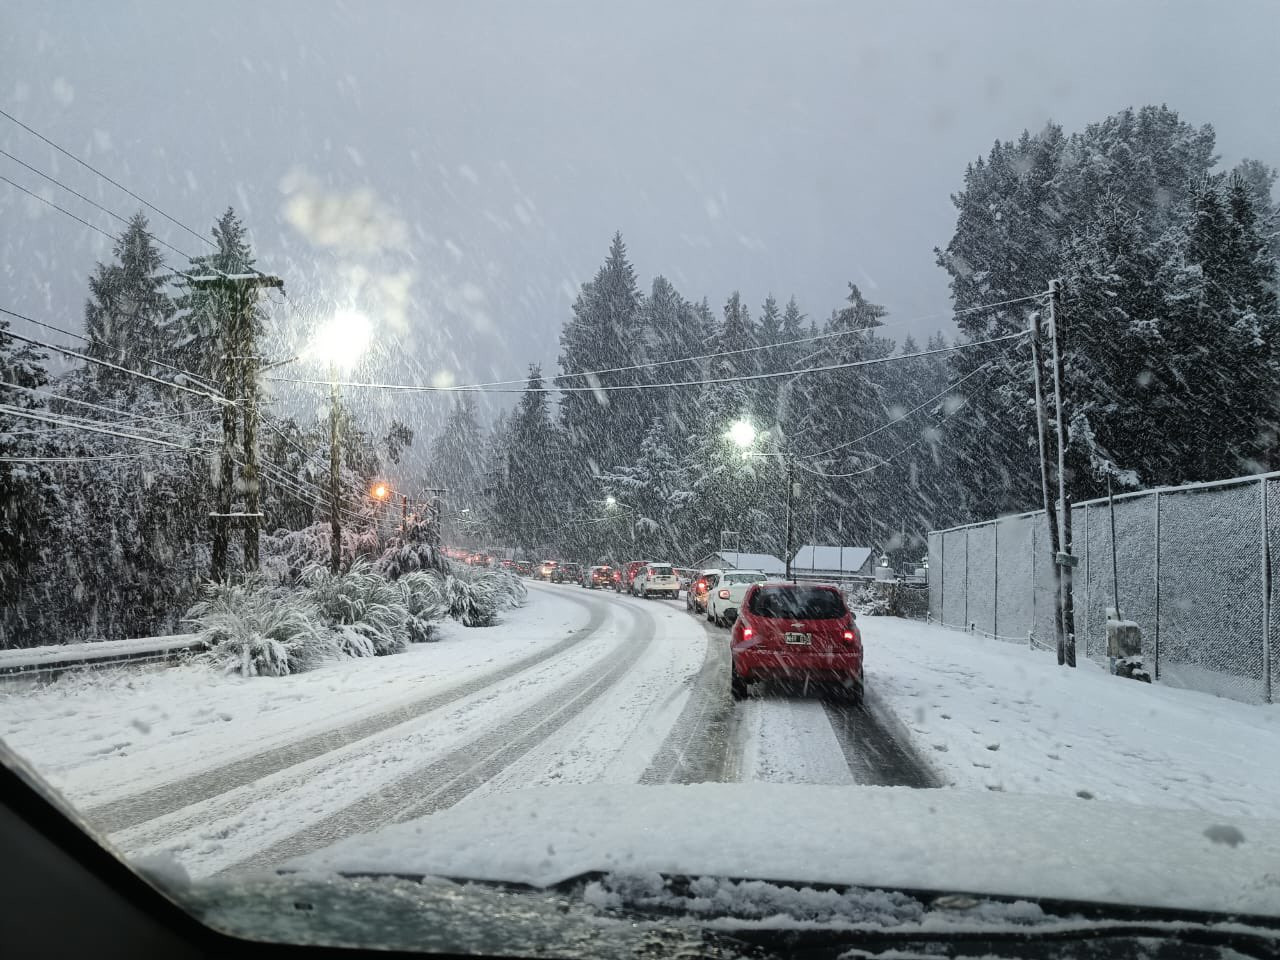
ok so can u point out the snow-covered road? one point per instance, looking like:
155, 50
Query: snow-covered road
576, 687
588, 687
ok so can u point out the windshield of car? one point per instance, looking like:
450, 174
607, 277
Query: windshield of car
798, 603
321, 321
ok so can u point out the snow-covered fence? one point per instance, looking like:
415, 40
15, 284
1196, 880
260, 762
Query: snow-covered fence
1195, 566
52, 660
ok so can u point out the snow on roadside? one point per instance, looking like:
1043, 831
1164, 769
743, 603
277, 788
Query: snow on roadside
100, 735
991, 715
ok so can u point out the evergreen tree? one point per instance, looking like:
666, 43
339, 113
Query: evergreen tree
603, 428
530, 512
128, 311
457, 457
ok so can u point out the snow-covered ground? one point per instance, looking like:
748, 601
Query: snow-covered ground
590, 688
991, 715
96, 736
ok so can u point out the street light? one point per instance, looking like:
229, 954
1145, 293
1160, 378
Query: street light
381, 492
339, 343
744, 435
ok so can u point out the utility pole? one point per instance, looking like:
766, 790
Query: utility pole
1065, 560
1051, 519
335, 524
791, 488
238, 378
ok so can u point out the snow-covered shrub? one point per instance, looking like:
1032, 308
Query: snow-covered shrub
254, 630
365, 610
413, 549
870, 602
474, 597
424, 601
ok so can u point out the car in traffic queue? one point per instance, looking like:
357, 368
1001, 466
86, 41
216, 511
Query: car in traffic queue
628, 573
726, 597
695, 597
566, 573
524, 568
656, 580
545, 569
598, 577
796, 632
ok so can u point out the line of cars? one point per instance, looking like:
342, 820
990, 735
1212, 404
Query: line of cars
777, 630
781, 631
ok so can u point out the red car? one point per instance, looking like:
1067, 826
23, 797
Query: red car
796, 632
629, 571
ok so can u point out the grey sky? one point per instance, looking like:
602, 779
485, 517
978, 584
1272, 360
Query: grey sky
785, 147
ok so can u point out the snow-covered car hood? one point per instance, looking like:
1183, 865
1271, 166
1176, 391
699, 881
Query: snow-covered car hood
942, 840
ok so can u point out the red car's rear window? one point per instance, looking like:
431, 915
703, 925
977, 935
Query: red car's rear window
797, 603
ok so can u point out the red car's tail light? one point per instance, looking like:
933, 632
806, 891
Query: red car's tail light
723, 594
850, 636
746, 633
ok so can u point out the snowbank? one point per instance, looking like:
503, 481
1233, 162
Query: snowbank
991, 715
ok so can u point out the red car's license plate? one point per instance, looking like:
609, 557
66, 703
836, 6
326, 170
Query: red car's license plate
796, 637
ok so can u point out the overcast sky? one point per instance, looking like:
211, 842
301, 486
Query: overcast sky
457, 169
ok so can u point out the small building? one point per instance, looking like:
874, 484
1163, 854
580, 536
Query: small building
766, 563
817, 562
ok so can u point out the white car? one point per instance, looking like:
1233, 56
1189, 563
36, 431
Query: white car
726, 596
656, 579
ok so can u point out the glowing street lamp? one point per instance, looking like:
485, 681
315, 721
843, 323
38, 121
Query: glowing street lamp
742, 433
381, 492
342, 341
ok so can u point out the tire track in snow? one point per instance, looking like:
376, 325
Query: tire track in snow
700, 745
876, 745
139, 808
444, 782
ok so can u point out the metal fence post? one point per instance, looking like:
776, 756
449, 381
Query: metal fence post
1087, 625
1266, 595
1156, 668
942, 578
995, 577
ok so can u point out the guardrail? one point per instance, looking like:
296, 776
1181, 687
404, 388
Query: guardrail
50, 661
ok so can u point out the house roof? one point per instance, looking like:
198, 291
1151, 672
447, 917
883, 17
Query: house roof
732, 560
843, 559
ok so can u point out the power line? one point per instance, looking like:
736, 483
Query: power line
887, 460
113, 456
769, 346
899, 419
114, 183
32, 193
107, 363
100, 406
92, 203
415, 388
30, 415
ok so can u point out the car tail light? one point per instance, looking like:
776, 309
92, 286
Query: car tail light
746, 633
850, 636
723, 594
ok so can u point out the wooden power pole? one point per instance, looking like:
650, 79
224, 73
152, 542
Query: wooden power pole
238, 378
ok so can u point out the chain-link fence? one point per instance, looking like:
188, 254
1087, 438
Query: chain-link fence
1193, 568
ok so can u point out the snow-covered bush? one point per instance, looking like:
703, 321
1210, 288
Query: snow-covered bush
365, 611
424, 601
870, 602
254, 630
474, 597
412, 549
